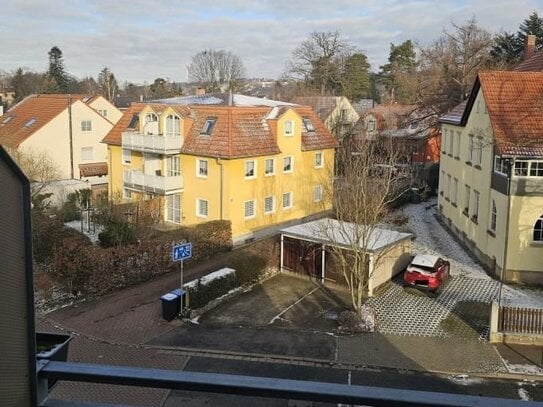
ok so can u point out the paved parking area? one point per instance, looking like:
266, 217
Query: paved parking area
402, 311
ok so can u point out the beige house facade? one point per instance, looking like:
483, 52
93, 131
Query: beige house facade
491, 174
67, 128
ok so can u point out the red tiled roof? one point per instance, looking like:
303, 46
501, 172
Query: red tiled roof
514, 103
16, 125
93, 169
321, 138
238, 131
114, 136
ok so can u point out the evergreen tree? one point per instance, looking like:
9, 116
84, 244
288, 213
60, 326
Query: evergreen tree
399, 76
508, 48
58, 79
356, 81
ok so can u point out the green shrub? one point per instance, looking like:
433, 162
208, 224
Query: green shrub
117, 234
201, 295
248, 267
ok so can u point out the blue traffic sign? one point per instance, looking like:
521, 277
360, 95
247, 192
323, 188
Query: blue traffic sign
182, 252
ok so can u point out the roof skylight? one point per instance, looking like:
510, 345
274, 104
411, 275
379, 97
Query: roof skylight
308, 124
208, 126
30, 122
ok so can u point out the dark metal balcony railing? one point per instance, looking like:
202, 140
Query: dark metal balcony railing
257, 386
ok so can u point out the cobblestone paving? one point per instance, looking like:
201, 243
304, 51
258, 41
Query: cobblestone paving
407, 312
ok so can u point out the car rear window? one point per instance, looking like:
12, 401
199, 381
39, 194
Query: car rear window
425, 268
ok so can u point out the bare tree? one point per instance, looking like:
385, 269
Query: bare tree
449, 66
37, 166
367, 185
217, 70
108, 84
319, 60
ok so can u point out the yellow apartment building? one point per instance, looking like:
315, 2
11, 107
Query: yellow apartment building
257, 166
491, 174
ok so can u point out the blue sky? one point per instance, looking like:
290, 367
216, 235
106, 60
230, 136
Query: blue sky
142, 40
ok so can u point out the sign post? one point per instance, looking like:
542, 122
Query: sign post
180, 252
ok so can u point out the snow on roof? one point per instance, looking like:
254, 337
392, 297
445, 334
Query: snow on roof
332, 231
424, 260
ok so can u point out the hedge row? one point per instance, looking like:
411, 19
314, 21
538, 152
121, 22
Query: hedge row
84, 268
249, 268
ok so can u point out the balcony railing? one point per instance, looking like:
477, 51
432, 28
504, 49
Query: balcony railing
152, 183
253, 386
152, 143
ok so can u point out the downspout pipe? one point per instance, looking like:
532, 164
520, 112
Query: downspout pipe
220, 164
70, 133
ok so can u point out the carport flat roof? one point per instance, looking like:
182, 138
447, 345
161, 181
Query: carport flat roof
337, 233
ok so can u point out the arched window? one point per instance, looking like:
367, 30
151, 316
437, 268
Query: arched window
538, 230
172, 126
493, 216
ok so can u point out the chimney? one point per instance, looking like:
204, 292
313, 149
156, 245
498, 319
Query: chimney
529, 46
141, 97
200, 91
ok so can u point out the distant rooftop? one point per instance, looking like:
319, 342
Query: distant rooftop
222, 99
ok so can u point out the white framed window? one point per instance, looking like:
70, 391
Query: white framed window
173, 126
317, 193
476, 199
493, 216
451, 143
87, 153
536, 169
470, 148
319, 159
269, 166
249, 209
250, 169
151, 117
287, 200
201, 168
448, 187
521, 168
127, 194
477, 152
202, 208
269, 205
127, 156
86, 125
454, 191
173, 166
457, 145
371, 124
467, 198
173, 208
289, 128
288, 164
500, 165
102, 113
538, 230
442, 182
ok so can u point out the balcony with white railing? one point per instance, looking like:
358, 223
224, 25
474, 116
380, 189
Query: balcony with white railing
152, 183
152, 143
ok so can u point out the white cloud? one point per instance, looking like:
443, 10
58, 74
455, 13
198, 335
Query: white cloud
141, 40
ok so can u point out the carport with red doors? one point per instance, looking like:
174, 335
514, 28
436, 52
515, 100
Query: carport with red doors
305, 250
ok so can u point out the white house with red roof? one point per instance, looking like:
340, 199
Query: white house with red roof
491, 179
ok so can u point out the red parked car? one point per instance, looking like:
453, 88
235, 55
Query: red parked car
427, 271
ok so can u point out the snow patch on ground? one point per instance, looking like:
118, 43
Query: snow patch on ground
524, 369
523, 394
91, 233
432, 238
210, 277
465, 380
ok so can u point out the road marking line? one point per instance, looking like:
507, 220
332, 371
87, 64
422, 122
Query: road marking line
292, 305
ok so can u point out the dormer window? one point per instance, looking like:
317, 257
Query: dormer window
208, 126
371, 124
151, 117
308, 124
